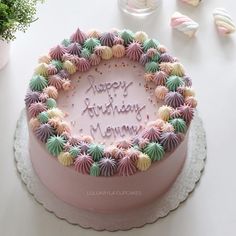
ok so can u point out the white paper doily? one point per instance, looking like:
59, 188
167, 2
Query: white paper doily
178, 193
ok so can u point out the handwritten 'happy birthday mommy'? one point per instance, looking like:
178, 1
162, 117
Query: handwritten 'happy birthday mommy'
110, 107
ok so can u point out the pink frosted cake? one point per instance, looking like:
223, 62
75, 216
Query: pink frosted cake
108, 118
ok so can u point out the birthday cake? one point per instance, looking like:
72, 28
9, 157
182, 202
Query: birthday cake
108, 117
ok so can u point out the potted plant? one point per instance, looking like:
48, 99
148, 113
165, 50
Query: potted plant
14, 15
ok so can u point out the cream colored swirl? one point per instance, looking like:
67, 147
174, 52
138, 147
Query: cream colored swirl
66, 85
65, 159
51, 91
184, 24
62, 127
69, 66
140, 36
164, 112
118, 50
143, 162
189, 92
223, 21
167, 67
167, 127
93, 33
34, 123
159, 123
148, 77
192, 2
45, 59
191, 101
161, 92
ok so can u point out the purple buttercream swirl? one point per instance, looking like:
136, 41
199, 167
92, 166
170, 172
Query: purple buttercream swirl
174, 99
134, 51
57, 52
44, 131
169, 140
64, 74
107, 39
144, 59
31, 97
107, 166
83, 146
78, 37
74, 49
187, 81
165, 57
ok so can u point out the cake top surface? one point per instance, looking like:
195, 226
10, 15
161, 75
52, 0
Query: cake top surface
110, 103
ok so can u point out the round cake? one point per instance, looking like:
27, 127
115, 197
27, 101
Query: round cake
109, 115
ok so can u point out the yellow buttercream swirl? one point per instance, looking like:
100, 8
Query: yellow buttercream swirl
69, 66
140, 36
118, 50
106, 53
55, 112
164, 112
177, 69
41, 69
143, 162
65, 158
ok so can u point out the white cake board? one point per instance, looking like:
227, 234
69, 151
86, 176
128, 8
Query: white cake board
178, 193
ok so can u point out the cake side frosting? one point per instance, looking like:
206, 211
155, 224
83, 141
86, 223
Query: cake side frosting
78, 54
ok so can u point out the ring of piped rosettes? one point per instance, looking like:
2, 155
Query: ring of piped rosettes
126, 157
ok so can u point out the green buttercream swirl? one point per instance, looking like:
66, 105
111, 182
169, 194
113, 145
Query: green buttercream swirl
55, 145
150, 43
51, 103
179, 125
94, 169
43, 117
96, 151
155, 151
57, 64
66, 42
74, 151
85, 53
151, 67
127, 36
173, 82
38, 83
156, 57
91, 43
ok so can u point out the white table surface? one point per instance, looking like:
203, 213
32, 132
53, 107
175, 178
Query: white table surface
209, 59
